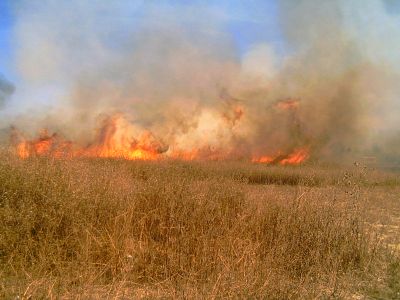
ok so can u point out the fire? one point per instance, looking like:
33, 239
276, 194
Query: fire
119, 138
113, 140
288, 104
22, 150
117, 145
44, 145
296, 157
263, 159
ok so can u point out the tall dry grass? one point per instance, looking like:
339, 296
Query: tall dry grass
119, 229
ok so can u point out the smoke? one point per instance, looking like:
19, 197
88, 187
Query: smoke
347, 71
175, 71
6, 90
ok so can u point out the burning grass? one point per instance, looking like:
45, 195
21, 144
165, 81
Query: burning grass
113, 228
118, 138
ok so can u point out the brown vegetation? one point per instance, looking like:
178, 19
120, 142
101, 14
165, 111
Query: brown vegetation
99, 228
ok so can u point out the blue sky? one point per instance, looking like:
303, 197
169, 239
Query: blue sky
6, 23
248, 22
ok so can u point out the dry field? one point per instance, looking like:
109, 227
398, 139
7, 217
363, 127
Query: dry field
115, 229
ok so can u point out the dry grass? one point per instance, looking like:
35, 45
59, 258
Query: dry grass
119, 229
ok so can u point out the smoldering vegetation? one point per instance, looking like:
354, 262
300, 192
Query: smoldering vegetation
176, 72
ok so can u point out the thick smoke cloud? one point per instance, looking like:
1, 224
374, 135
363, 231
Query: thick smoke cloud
174, 70
348, 69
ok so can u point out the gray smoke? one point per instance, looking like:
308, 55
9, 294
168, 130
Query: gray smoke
174, 70
6, 90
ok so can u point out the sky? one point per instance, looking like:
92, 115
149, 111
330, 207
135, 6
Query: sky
243, 21
6, 24
249, 22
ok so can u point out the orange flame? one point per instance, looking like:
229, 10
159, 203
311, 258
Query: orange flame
263, 159
117, 138
296, 157
288, 104
113, 141
22, 150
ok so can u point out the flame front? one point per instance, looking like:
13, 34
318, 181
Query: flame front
113, 141
296, 157
210, 139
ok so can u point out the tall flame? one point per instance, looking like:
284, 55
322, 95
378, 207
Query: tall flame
113, 141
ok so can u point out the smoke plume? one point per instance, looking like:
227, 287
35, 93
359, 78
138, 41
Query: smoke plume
174, 72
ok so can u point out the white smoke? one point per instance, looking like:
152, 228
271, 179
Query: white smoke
174, 70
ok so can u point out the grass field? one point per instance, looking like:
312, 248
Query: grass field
99, 228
